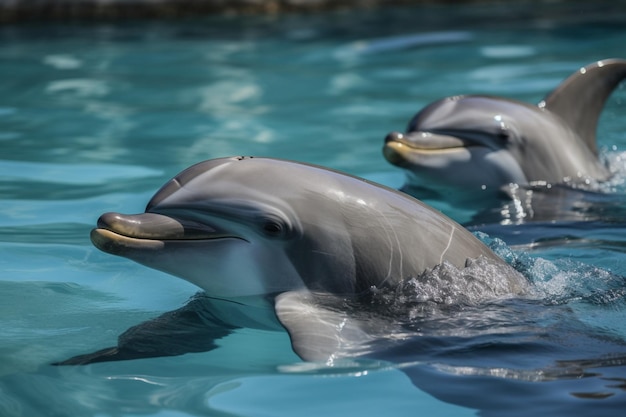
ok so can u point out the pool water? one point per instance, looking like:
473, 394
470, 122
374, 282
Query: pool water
96, 117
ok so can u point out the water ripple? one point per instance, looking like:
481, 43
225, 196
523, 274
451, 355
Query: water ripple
71, 174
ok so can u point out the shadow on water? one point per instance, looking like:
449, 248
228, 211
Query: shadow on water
517, 358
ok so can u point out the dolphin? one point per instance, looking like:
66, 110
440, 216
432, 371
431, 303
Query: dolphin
281, 245
473, 142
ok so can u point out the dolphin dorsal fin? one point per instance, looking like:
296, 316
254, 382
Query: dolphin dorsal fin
580, 98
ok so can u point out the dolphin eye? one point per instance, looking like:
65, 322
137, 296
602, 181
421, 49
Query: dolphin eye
275, 225
272, 228
503, 132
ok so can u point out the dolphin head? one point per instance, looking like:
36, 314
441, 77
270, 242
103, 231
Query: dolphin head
241, 227
256, 227
463, 141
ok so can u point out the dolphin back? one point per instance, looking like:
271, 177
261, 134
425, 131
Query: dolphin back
394, 237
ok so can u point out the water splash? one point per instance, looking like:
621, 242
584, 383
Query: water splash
446, 289
616, 162
562, 281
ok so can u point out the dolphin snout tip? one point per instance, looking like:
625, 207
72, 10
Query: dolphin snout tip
100, 239
394, 137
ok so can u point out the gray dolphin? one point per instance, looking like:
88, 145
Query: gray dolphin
282, 245
478, 142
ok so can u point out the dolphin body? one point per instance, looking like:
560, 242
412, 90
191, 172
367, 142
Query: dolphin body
470, 143
283, 245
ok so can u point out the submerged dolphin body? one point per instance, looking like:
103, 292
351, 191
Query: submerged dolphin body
472, 143
283, 245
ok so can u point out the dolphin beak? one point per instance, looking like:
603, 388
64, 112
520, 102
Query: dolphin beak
119, 233
425, 141
400, 148
394, 137
394, 149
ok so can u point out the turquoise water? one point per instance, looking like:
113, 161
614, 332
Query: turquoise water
97, 117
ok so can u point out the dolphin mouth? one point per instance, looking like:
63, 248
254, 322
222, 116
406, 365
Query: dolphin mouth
433, 141
118, 233
399, 148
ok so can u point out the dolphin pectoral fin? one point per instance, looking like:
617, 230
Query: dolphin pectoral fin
189, 329
580, 98
319, 333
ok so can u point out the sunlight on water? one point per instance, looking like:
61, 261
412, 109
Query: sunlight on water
75, 174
